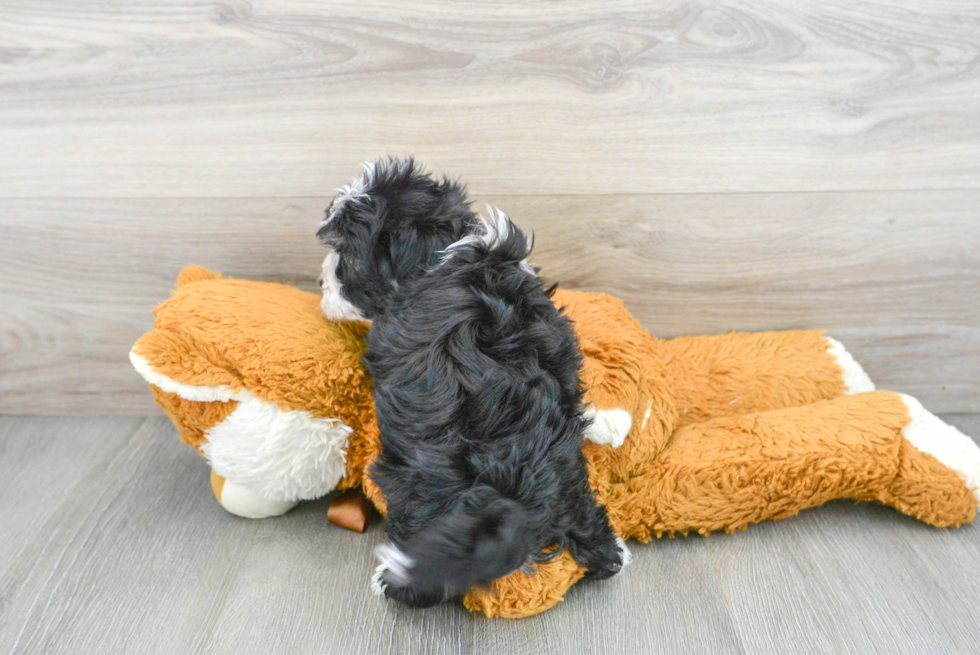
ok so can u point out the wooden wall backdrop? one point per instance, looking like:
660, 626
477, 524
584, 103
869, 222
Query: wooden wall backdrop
730, 165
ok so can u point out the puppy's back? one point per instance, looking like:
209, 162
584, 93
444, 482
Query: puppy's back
471, 345
478, 398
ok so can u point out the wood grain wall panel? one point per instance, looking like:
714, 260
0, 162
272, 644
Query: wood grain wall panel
192, 98
896, 276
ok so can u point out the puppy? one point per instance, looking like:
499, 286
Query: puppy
476, 385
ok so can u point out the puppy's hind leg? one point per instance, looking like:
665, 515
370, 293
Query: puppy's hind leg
594, 544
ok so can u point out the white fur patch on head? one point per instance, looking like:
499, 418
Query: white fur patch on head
855, 379
333, 304
353, 191
393, 562
928, 433
491, 232
609, 426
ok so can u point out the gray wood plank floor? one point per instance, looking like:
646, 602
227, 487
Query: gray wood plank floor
112, 543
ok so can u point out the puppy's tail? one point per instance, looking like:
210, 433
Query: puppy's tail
485, 537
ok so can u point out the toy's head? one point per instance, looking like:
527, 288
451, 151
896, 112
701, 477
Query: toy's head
273, 420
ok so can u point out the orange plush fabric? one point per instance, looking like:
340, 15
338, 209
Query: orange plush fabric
267, 338
723, 431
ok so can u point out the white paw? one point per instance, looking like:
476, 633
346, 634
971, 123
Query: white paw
609, 426
955, 450
378, 585
244, 502
626, 555
855, 379
394, 566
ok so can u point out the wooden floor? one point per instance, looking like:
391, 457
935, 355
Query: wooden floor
113, 543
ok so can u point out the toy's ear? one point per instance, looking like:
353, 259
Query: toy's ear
194, 393
174, 363
194, 273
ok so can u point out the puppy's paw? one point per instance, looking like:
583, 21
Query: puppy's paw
379, 581
604, 559
392, 579
625, 554
610, 563
393, 569
413, 596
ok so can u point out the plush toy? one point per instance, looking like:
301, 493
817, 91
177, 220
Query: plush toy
691, 434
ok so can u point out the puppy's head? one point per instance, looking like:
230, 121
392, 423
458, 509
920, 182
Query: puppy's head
483, 537
384, 228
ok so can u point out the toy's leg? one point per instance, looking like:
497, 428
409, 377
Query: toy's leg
942, 443
246, 503
731, 374
730, 472
734, 471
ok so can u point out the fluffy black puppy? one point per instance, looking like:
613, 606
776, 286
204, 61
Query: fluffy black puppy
476, 384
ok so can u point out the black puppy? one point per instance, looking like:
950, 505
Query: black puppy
476, 384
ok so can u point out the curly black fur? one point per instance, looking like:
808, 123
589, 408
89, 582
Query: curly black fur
478, 398
390, 226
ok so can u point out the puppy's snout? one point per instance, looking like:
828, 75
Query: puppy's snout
319, 281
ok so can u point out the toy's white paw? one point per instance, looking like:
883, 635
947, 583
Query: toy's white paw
855, 379
609, 426
244, 502
952, 448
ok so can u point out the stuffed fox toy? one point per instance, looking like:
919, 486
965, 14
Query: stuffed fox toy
692, 434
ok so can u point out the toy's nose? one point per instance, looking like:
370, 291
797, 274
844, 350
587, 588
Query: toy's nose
320, 282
